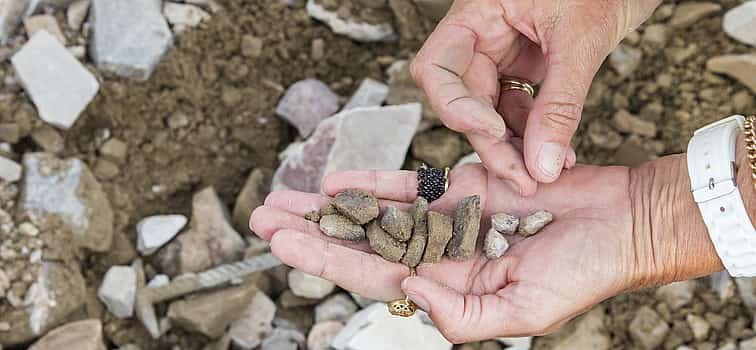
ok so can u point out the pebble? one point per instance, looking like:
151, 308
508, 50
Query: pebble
309, 286
77, 13
440, 229
699, 326
359, 31
118, 290
739, 22
11, 12
362, 301
397, 223
677, 294
254, 324
289, 300
739, 67
159, 281
10, 132
251, 46
629, 123
322, 334
306, 103
655, 36
114, 149
155, 231
625, 60
691, 12
252, 195
317, 50
370, 93
134, 55
47, 23
495, 244
283, 339
339, 307
360, 206
183, 16
340, 227
533, 223
647, 329
210, 313
314, 216
57, 83
10, 171
385, 245
519, 343
439, 148
504, 223
466, 228
747, 290
28, 229
80, 335
416, 244
722, 284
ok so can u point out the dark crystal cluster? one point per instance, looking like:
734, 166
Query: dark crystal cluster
430, 183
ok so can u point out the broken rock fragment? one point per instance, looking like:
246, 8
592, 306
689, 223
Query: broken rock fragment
210, 313
360, 206
466, 228
385, 245
10, 171
155, 231
397, 223
533, 223
739, 22
647, 329
505, 223
370, 93
80, 335
340, 227
306, 103
416, 244
183, 16
11, 12
308, 286
738, 67
440, 228
118, 290
360, 31
495, 244
254, 324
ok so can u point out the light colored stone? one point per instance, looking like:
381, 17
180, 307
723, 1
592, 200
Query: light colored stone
118, 290
655, 36
440, 231
722, 284
629, 123
699, 326
159, 281
77, 13
504, 223
306, 104
625, 60
739, 67
252, 195
339, 307
58, 84
370, 93
362, 301
603, 136
677, 294
588, 332
397, 223
11, 12
47, 23
466, 228
647, 329
495, 244
472, 158
10, 171
284, 339
739, 23
309, 286
55, 189
356, 139
340, 227
521, 343
748, 344
747, 290
210, 313
254, 324
128, 45
80, 335
692, 11
155, 231
533, 223
4, 283
359, 31
183, 16
322, 334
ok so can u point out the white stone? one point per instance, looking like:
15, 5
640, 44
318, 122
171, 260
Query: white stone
722, 283
159, 281
58, 84
77, 13
183, 16
78, 51
375, 329
740, 23
472, 158
370, 93
128, 37
339, 307
11, 12
699, 326
322, 334
118, 290
625, 60
155, 231
356, 139
522, 343
495, 244
505, 223
255, 324
10, 171
306, 104
677, 294
365, 32
747, 291
309, 286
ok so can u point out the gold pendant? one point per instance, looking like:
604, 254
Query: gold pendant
403, 307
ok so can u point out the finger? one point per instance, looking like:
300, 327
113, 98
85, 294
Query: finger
366, 274
514, 105
392, 185
297, 203
505, 161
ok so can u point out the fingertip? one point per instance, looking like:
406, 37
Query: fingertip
571, 158
286, 244
257, 222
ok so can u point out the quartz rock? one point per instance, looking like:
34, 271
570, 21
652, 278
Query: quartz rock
397, 223
309, 286
370, 93
504, 223
533, 223
739, 22
322, 334
416, 244
440, 228
80, 335
692, 11
183, 16
385, 245
647, 329
118, 290
11, 12
738, 67
10, 171
340, 227
255, 323
466, 228
155, 231
495, 244
339, 307
360, 31
306, 104
210, 313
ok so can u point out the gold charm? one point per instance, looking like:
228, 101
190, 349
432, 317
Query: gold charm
403, 307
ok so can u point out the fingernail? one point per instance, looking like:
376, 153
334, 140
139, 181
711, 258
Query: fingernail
420, 302
551, 159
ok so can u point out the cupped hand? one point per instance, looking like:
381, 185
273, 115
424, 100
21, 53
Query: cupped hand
585, 256
560, 44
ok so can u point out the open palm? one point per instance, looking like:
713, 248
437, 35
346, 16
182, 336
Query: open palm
583, 257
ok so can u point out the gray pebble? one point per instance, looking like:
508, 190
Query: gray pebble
397, 223
337, 226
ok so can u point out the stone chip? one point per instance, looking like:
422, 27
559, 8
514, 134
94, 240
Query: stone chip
385, 245
416, 244
495, 244
397, 223
466, 228
440, 228
505, 223
360, 206
533, 223
340, 227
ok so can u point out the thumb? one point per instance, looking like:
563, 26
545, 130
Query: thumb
460, 318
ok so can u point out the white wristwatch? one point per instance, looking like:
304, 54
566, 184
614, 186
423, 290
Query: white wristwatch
711, 166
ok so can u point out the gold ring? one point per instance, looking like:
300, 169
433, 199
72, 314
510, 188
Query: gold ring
403, 307
509, 83
446, 179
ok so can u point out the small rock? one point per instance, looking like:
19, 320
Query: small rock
472, 158
283, 339
155, 231
77, 13
495, 244
416, 244
28, 229
655, 36
747, 291
339, 307
54, 79
439, 148
317, 52
80, 335
340, 227
314, 216
397, 223
252, 47
370, 93
309, 286
10, 171
183, 16
504, 223
385, 245
533, 223
360, 31
739, 67
78, 51
178, 120
118, 290
739, 22
4, 283
677, 294
626, 122
48, 138
693, 11
10, 132
307, 103
322, 334
520, 343
251, 196
47, 23
159, 281
254, 324
647, 329
440, 228
722, 284
210, 313
360, 206
625, 60
699, 326
114, 149
362, 301
328, 209
11, 12
134, 55
466, 228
